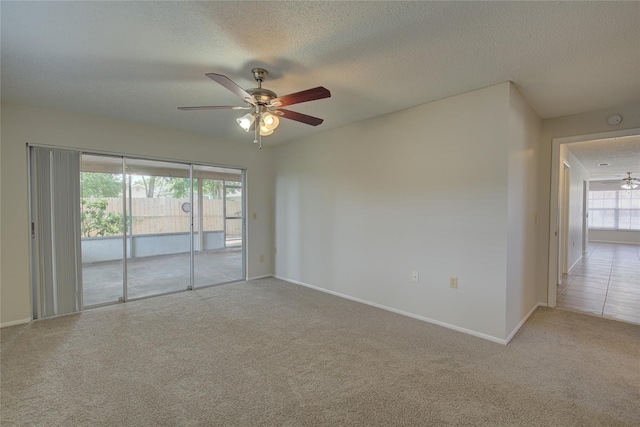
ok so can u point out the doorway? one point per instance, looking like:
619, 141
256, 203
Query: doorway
564, 212
144, 228
555, 245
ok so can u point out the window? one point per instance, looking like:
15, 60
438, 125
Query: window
614, 209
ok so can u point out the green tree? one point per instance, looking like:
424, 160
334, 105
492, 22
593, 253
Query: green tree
97, 184
155, 185
96, 221
180, 188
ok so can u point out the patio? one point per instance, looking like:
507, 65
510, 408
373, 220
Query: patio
102, 281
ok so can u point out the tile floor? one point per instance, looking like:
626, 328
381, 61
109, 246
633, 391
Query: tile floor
605, 282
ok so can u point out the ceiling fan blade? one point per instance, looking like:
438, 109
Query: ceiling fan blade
229, 84
304, 96
213, 107
299, 117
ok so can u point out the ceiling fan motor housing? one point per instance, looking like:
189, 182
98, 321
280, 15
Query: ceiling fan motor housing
262, 95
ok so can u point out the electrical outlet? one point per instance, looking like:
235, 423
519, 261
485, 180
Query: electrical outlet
453, 282
414, 276
261, 258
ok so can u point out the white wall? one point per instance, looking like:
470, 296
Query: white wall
578, 175
25, 124
524, 134
360, 207
567, 126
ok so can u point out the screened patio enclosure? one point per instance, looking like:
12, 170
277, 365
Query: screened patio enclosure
145, 227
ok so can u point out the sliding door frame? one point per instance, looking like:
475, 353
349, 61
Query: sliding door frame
126, 204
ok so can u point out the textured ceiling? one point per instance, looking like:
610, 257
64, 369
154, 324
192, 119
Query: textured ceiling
622, 155
138, 61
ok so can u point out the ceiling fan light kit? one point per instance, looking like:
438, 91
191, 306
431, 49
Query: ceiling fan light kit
265, 105
628, 182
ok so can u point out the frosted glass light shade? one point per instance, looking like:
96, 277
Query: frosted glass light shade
264, 131
270, 121
246, 121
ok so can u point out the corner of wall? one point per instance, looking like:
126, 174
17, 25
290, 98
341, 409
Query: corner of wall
524, 128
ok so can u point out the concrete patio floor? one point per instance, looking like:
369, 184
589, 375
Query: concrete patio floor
102, 281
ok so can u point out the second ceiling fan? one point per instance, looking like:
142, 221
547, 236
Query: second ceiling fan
628, 182
264, 104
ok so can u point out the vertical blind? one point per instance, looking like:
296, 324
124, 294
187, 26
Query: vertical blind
55, 198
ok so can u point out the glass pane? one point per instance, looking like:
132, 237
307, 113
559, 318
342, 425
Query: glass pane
233, 201
101, 226
624, 219
214, 260
635, 220
600, 218
159, 238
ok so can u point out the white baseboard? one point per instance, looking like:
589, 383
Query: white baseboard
522, 322
577, 261
15, 322
611, 241
395, 310
259, 277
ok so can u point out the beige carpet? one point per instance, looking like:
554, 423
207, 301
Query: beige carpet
272, 353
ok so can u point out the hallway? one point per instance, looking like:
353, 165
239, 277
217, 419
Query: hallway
605, 283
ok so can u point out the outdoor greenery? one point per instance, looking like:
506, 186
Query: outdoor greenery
96, 221
100, 184
213, 188
97, 187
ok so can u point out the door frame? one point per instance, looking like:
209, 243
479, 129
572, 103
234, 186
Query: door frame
585, 216
243, 185
564, 203
554, 202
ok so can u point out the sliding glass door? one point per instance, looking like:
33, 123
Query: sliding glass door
215, 261
159, 256
144, 227
102, 213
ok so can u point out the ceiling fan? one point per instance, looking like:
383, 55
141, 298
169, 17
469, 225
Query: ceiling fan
628, 183
265, 105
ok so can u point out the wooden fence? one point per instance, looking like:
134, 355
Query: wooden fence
164, 215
